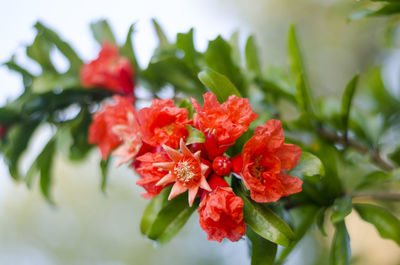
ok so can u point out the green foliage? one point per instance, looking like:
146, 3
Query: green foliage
386, 223
328, 131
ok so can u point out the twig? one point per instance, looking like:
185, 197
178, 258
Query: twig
373, 153
378, 196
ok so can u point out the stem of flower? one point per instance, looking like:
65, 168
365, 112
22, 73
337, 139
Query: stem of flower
378, 196
374, 154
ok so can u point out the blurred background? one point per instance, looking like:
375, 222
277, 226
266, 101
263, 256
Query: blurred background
88, 227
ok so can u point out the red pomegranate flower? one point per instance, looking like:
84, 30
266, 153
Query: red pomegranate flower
265, 160
151, 174
221, 212
163, 123
224, 122
112, 114
109, 71
186, 170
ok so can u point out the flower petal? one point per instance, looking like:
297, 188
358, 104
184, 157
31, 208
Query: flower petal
177, 189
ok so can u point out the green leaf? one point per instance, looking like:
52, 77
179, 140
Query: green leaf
252, 57
346, 103
104, 164
341, 208
262, 251
51, 81
185, 103
219, 84
295, 55
162, 38
265, 222
102, 32
395, 156
219, 58
128, 50
40, 52
303, 97
153, 208
171, 219
184, 42
389, 9
321, 220
340, 249
304, 217
195, 136
309, 168
17, 141
62, 46
236, 52
386, 223
43, 164
9, 116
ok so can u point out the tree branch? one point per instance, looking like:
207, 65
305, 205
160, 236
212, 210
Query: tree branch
374, 154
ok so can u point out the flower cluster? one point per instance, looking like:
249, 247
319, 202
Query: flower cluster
153, 141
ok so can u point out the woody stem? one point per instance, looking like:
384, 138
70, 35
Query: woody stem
374, 154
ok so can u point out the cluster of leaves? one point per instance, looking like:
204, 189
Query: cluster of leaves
386, 8
342, 159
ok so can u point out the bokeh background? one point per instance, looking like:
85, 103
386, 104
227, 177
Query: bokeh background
88, 227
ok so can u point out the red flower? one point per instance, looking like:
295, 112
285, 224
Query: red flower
2, 131
163, 123
265, 160
110, 71
221, 212
151, 174
225, 122
102, 131
186, 171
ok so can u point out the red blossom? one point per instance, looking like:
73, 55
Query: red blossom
109, 71
265, 159
225, 122
221, 212
186, 171
163, 123
151, 174
101, 132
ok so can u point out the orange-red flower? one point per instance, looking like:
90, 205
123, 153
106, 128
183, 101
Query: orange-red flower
186, 170
221, 212
151, 174
265, 159
224, 122
101, 132
163, 123
109, 71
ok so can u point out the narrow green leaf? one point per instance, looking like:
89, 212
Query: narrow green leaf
219, 58
346, 103
171, 219
295, 55
162, 38
104, 164
184, 42
386, 10
262, 251
45, 165
321, 220
102, 32
9, 116
341, 208
195, 136
304, 218
386, 223
309, 168
236, 52
152, 210
62, 46
18, 138
128, 50
219, 84
52, 81
39, 51
185, 103
265, 222
252, 57
303, 97
340, 249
